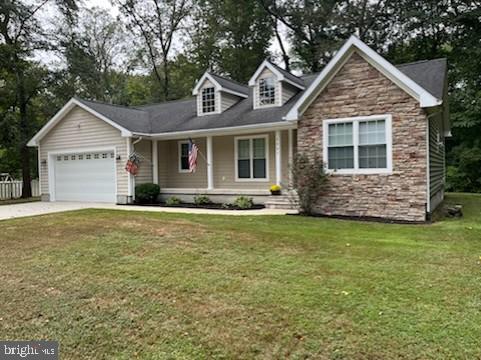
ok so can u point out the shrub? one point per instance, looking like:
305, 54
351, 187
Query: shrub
309, 180
244, 202
201, 200
173, 200
147, 193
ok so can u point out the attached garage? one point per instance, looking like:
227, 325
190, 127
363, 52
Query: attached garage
86, 176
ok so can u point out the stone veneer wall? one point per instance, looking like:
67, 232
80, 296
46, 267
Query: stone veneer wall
359, 89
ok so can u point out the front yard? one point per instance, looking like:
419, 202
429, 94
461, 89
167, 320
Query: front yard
123, 285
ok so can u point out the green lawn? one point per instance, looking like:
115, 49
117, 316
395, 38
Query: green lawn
123, 285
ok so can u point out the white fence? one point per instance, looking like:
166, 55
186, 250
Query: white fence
13, 189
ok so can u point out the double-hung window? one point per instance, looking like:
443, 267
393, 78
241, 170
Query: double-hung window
208, 100
267, 91
184, 156
360, 145
251, 158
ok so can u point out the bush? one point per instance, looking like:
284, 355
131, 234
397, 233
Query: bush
147, 193
173, 200
244, 202
309, 180
201, 200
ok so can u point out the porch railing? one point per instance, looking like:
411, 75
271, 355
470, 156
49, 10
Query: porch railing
13, 189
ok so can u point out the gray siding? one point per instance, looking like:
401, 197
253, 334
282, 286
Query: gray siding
81, 130
436, 155
227, 100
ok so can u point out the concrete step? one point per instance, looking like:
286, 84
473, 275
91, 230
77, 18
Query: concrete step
284, 201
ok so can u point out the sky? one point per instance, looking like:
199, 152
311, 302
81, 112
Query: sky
106, 4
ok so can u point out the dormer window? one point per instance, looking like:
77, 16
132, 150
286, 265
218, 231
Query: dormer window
267, 91
208, 100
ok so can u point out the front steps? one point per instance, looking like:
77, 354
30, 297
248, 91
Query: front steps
287, 201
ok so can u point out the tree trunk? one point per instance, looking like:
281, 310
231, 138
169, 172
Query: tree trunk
166, 80
24, 135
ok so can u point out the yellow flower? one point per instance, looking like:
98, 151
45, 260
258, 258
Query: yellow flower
275, 188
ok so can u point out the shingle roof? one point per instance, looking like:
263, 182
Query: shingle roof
181, 115
430, 74
295, 79
230, 84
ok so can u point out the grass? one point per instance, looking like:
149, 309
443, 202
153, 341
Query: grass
123, 285
19, 201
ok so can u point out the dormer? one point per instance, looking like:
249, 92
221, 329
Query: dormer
273, 86
216, 94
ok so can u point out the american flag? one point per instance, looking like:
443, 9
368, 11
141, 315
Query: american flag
192, 156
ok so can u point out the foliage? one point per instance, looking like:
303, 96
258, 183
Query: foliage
232, 37
173, 200
147, 193
244, 202
309, 181
202, 200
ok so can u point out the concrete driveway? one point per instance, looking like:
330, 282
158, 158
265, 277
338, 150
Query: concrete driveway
41, 208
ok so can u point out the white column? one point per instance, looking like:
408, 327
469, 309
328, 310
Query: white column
210, 168
129, 175
155, 162
291, 153
278, 158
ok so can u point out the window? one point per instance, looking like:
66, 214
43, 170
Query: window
360, 145
251, 158
267, 91
208, 100
184, 156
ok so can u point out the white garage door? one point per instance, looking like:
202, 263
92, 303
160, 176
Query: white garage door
85, 177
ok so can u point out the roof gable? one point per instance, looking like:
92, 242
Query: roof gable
425, 98
221, 84
281, 74
64, 111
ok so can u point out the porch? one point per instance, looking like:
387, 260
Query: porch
228, 165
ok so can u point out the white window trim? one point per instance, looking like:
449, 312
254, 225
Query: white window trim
251, 137
179, 157
276, 95
355, 134
277, 92
216, 101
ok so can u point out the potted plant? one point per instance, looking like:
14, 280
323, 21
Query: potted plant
275, 190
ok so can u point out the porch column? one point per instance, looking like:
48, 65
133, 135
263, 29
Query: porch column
155, 162
210, 169
290, 134
278, 158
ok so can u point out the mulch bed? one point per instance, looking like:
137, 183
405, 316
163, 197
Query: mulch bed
214, 206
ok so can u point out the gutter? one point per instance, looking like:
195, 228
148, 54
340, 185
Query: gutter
279, 125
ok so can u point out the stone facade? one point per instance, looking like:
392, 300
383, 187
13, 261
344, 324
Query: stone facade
358, 89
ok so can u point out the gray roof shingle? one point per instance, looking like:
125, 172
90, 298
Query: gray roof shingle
295, 79
181, 115
230, 84
430, 74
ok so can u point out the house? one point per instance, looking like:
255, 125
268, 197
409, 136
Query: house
380, 129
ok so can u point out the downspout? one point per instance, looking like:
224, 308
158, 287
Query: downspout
428, 164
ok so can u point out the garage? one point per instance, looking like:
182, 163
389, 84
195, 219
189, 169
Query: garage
88, 176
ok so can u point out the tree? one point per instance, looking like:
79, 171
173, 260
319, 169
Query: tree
317, 28
232, 37
20, 33
157, 23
